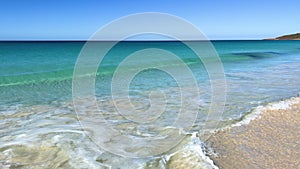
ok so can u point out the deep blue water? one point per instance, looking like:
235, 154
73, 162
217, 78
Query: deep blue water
38, 72
36, 86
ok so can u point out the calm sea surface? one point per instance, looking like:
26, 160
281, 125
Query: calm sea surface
37, 117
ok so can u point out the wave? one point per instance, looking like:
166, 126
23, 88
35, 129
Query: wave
258, 111
255, 140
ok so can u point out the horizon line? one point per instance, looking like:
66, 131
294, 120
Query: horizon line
84, 40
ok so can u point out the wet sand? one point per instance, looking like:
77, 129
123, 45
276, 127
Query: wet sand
38, 157
271, 140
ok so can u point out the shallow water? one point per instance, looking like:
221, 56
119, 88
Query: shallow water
37, 113
266, 138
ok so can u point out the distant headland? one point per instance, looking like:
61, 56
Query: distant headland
295, 36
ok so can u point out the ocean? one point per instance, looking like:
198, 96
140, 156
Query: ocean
39, 126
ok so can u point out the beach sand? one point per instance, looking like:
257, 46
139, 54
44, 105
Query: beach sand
270, 140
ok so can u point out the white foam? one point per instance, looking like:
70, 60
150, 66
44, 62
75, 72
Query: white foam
194, 148
257, 112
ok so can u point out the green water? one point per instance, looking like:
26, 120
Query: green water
36, 89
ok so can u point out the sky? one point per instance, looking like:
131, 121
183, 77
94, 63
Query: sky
79, 19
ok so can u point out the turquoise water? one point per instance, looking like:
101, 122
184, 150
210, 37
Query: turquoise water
36, 89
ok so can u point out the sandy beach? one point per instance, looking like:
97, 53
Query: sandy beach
40, 127
269, 140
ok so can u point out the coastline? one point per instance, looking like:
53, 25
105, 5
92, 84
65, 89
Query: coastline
38, 118
268, 137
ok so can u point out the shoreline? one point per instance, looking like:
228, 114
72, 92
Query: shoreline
267, 137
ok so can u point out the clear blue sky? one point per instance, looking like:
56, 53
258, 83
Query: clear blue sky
79, 19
